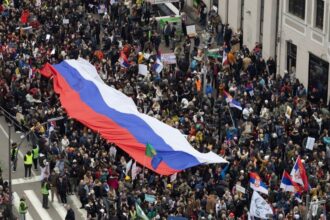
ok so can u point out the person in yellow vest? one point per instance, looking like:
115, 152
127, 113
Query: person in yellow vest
45, 187
22, 209
35, 153
13, 155
28, 160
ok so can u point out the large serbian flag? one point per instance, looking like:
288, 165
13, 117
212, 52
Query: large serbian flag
106, 110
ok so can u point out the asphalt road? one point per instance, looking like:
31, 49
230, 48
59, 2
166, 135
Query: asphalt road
30, 187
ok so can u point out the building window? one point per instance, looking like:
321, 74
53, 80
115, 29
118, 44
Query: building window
318, 79
297, 8
291, 56
319, 14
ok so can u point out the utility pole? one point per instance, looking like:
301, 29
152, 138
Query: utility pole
9, 173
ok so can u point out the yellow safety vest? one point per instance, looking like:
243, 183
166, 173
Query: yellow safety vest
44, 190
28, 160
22, 207
35, 153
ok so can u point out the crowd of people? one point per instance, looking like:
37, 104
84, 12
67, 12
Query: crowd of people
263, 137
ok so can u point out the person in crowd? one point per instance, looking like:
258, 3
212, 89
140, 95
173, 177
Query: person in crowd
35, 156
62, 188
22, 208
70, 215
28, 160
13, 156
45, 193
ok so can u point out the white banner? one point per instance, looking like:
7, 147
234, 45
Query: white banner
259, 207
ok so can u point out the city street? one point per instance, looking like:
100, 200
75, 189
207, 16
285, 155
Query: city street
31, 187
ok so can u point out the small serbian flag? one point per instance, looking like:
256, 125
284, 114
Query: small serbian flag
256, 183
123, 60
288, 185
232, 102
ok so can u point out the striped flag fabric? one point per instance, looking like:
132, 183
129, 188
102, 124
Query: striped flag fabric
100, 107
232, 102
256, 183
298, 174
288, 185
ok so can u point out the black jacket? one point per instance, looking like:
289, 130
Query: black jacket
70, 215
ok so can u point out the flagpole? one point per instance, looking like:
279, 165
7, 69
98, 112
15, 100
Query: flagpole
232, 120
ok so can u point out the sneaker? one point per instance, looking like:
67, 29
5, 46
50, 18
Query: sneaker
18, 132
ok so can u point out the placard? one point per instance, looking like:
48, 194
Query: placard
149, 198
143, 69
168, 58
288, 112
310, 143
66, 21
191, 30
240, 188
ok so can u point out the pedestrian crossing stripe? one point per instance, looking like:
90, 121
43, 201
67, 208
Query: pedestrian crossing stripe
32, 198
16, 204
58, 206
37, 205
76, 202
24, 181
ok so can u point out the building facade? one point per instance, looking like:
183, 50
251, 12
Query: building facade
295, 32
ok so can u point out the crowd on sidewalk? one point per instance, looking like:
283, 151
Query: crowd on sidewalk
261, 137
